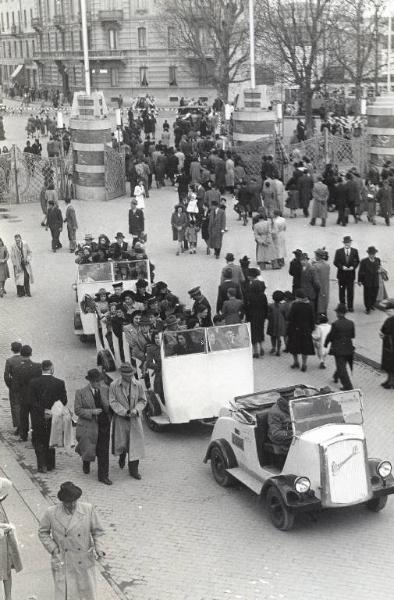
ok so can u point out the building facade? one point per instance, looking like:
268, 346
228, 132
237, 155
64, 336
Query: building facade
17, 44
131, 51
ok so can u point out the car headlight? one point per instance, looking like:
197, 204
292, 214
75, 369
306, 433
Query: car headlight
384, 469
302, 485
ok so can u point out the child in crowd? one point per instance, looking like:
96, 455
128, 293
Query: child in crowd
232, 309
319, 337
276, 321
191, 234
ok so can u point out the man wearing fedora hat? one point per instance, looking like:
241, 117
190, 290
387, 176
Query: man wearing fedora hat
341, 338
94, 425
295, 269
237, 275
346, 261
120, 249
368, 277
72, 534
127, 401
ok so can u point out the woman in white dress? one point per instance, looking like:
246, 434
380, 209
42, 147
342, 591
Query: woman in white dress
279, 239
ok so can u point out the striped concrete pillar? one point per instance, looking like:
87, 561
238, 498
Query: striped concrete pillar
252, 123
380, 129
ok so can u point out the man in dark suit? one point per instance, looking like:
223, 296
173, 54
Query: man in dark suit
368, 277
341, 336
94, 424
44, 391
346, 261
9, 370
223, 288
216, 227
23, 374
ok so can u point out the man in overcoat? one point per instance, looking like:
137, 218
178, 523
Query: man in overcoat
346, 261
236, 272
368, 277
55, 224
136, 221
94, 424
21, 261
9, 378
23, 374
127, 401
44, 391
72, 224
341, 337
216, 227
72, 534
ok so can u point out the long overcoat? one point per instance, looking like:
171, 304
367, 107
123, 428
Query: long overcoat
16, 262
127, 432
217, 224
320, 198
387, 330
265, 249
87, 426
322, 271
77, 539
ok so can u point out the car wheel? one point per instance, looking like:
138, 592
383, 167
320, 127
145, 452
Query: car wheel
377, 504
219, 466
280, 515
83, 338
152, 409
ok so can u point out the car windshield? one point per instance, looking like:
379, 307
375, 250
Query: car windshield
315, 411
94, 272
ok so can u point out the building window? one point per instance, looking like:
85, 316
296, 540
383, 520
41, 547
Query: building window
49, 41
56, 41
33, 47
27, 49
7, 16
31, 15
114, 77
172, 76
63, 38
2, 22
141, 6
39, 10
13, 17
48, 10
144, 77
72, 40
15, 49
142, 39
112, 39
24, 17
171, 38
20, 48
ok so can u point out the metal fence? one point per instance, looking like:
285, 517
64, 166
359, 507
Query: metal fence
115, 178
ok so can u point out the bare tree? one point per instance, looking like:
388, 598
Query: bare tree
213, 35
290, 34
354, 34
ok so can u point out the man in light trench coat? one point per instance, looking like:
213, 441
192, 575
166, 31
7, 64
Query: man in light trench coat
71, 532
127, 400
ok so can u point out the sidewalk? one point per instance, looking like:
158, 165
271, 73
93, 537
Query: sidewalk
24, 507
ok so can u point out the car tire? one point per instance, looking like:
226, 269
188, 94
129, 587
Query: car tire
281, 517
152, 409
83, 338
219, 464
377, 504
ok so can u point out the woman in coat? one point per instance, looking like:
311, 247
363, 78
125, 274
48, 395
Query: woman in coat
265, 250
279, 238
256, 307
4, 272
230, 174
387, 335
322, 271
204, 224
220, 173
71, 532
320, 196
179, 224
127, 400
301, 323
9, 550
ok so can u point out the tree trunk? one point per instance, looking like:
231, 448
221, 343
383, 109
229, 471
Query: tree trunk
307, 93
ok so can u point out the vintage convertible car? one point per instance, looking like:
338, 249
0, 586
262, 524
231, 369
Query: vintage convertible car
327, 464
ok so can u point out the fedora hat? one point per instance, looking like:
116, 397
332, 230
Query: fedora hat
347, 239
372, 250
69, 492
94, 375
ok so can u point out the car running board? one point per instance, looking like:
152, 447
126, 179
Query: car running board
246, 478
160, 419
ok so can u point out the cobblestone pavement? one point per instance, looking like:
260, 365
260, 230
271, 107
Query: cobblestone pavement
176, 534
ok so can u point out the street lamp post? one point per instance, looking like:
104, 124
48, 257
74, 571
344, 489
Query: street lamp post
84, 26
251, 38
60, 132
389, 32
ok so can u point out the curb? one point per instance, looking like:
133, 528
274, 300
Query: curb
368, 361
18, 474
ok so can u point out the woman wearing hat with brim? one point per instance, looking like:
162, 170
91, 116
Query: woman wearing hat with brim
71, 532
387, 335
178, 224
9, 549
322, 271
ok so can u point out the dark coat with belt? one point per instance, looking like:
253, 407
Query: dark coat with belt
23, 374
340, 262
305, 186
54, 218
309, 282
368, 273
217, 224
388, 345
136, 221
88, 423
295, 270
301, 323
256, 307
341, 334
44, 392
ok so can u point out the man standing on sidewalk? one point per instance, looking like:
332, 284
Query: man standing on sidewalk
23, 374
346, 261
136, 221
368, 277
94, 425
72, 224
9, 378
44, 392
55, 223
21, 261
341, 335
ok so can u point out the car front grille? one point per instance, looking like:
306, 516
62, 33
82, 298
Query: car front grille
346, 473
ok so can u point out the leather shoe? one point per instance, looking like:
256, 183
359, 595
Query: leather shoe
106, 481
86, 467
136, 475
42, 470
122, 460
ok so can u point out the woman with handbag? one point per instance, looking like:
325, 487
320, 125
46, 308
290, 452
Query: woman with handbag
178, 224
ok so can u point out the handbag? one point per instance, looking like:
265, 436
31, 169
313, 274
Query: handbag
384, 274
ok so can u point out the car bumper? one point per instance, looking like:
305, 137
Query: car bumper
379, 490
303, 503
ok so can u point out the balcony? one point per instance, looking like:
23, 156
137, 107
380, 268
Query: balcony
58, 55
104, 55
36, 24
111, 17
59, 22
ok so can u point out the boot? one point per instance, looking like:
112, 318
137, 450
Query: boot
133, 469
323, 223
312, 222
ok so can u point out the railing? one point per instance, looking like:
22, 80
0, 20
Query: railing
110, 15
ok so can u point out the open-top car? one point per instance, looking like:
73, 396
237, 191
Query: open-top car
327, 463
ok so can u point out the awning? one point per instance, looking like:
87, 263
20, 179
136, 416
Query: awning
16, 71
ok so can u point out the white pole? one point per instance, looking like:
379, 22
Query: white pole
251, 36
85, 47
389, 55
